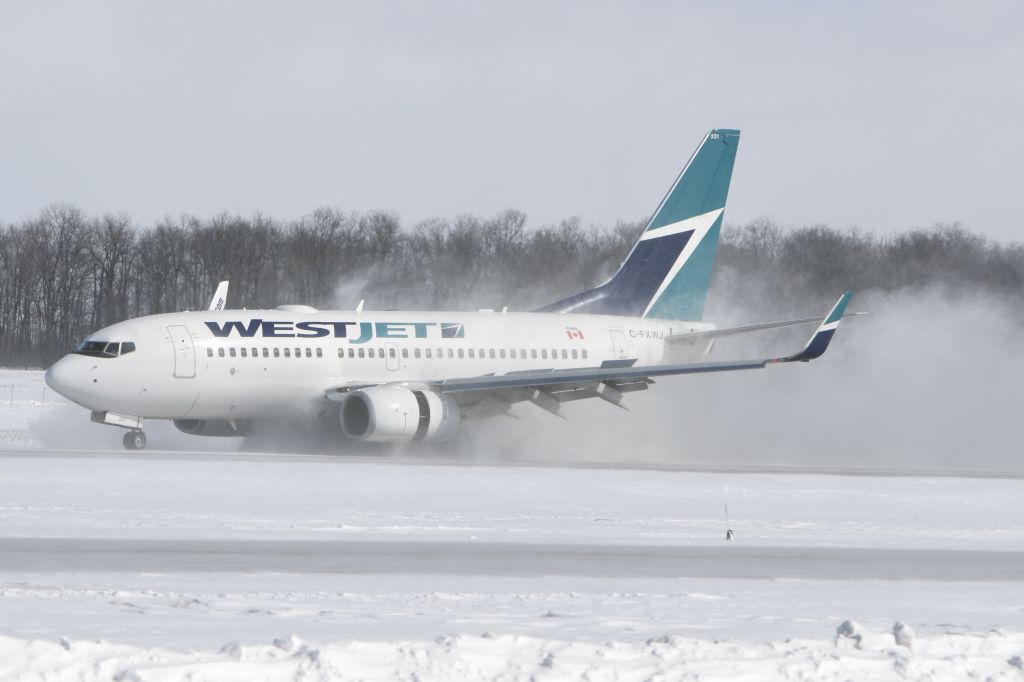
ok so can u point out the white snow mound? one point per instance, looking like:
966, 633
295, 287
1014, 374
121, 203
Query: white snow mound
513, 657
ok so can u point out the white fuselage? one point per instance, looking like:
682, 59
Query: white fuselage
250, 364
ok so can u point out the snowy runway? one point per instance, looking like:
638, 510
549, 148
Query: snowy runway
353, 557
219, 565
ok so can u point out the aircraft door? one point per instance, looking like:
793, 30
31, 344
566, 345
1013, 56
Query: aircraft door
619, 349
184, 351
391, 355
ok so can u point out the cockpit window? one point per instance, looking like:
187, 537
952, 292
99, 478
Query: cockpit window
104, 349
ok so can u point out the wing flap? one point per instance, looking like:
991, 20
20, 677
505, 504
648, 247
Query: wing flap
572, 378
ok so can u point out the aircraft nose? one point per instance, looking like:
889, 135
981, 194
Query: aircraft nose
67, 374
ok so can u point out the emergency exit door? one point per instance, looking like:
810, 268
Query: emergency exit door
619, 348
392, 361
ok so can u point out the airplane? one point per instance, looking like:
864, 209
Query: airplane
413, 376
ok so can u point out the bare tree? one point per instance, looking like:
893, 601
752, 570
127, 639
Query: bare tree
63, 275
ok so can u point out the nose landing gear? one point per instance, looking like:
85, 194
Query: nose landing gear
134, 440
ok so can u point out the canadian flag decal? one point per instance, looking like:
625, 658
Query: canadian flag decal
573, 333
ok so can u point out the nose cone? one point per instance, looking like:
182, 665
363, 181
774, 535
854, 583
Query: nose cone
67, 376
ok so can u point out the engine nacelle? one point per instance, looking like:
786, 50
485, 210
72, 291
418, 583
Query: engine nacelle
391, 414
213, 427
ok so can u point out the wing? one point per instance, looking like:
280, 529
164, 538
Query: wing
493, 393
549, 388
220, 297
745, 329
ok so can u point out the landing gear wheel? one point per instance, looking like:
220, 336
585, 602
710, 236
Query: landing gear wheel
134, 440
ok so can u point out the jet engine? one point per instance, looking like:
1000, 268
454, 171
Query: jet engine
213, 427
390, 414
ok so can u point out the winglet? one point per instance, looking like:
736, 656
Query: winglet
219, 297
818, 343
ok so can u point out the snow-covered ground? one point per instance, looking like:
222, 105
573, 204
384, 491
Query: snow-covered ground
64, 624
157, 495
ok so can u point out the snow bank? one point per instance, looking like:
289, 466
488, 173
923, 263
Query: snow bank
509, 657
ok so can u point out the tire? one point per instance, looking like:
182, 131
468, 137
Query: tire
134, 440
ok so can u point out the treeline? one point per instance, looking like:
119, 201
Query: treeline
788, 271
64, 274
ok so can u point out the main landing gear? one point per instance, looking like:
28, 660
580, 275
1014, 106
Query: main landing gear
134, 440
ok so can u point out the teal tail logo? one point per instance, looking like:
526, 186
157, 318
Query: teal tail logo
667, 273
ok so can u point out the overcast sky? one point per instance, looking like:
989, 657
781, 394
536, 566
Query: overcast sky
886, 115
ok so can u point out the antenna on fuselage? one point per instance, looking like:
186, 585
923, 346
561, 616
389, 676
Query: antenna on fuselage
359, 308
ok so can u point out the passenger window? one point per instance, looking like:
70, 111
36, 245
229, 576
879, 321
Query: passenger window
255, 352
244, 353
287, 352
575, 354
405, 352
501, 353
309, 352
341, 352
472, 354
362, 353
392, 353
352, 352
127, 347
491, 353
209, 352
416, 353
427, 352
533, 353
544, 353
277, 352
584, 353
231, 352
451, 354
522, 353
370, 353
554, 353
319, 352
462, 354
266, 353
298, 352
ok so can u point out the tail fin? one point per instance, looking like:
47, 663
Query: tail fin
220, 297
667, 273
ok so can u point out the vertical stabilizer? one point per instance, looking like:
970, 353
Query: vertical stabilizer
667, 273
220, 297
